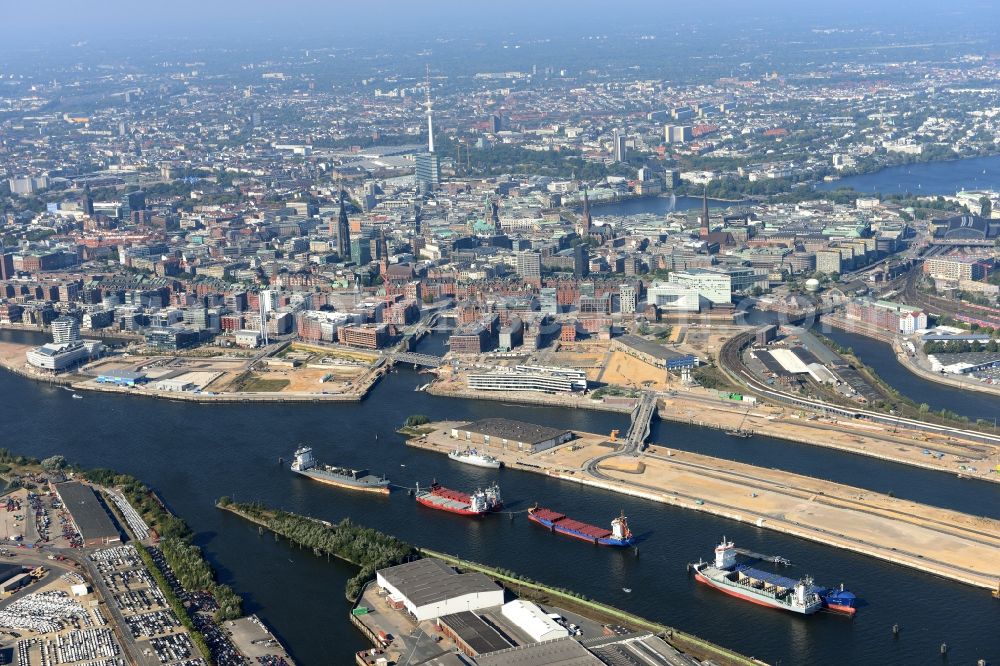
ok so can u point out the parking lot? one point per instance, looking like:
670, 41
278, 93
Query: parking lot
157, 631
53, 627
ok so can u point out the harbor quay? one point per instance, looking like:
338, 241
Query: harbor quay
947, 543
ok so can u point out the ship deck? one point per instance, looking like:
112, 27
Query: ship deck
445, 502
561, 521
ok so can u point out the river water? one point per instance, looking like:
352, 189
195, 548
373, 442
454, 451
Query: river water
192, 454
881, 358
930, 178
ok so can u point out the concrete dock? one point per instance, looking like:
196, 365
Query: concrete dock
947, 543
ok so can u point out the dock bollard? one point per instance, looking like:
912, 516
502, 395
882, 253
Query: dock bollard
895, 630
944, 648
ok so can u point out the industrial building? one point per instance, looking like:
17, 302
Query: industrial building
563, 651
652, 353
533, 621
511, 435
430, 589
87, 513
121, 377
471, 633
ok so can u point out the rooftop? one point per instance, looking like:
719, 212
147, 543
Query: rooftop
478, 635
428, 581
648, 347
558, 652
89, 515
519, 431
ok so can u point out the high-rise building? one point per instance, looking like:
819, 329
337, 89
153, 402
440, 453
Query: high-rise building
495, 123
361, 250
132, 201
618, 146
343, 231
529, 265
65, 329
677, 133
627, 298
428, 172
581, 260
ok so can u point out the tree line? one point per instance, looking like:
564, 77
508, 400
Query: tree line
366, 547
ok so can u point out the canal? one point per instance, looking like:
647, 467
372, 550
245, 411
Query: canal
193, 454
882, 359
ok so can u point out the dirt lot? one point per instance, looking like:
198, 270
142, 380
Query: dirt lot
625, 370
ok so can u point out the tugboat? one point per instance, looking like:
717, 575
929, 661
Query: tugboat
342, 477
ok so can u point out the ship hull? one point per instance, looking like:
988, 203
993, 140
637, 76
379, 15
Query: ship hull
431, 504
600, 541
735, 592
362, 487
475, 463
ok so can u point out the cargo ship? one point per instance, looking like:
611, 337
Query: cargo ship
477, 504
473, 457
342, 477
618, 535
768, 589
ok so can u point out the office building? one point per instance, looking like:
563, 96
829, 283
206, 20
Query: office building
955, 268
829, 261
365, 336
428, 172
581, 260
529, 378
618, 146
64, 355
673, 297
65, 329
628, 298
529, 265
677, 133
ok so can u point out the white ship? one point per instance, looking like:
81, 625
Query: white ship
473, 457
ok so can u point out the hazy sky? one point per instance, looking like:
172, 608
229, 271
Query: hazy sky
52, 21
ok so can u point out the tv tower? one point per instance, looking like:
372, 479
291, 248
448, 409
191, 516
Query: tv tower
429, 105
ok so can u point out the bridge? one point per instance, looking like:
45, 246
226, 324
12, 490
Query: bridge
638, 430
426, 360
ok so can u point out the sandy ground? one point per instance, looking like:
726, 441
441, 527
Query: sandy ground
702, 407
948, 543
625, 370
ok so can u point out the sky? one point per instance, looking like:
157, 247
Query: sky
42, 21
